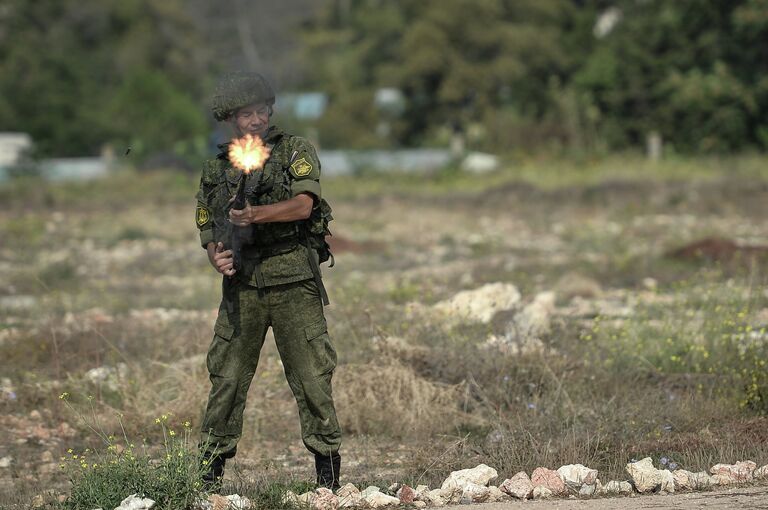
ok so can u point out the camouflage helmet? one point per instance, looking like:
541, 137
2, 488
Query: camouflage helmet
239, 89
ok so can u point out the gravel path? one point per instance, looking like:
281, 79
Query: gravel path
742, 498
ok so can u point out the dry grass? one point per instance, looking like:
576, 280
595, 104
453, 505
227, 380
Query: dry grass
87, 285
387, 398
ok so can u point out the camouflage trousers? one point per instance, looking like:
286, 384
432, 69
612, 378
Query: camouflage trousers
294, 311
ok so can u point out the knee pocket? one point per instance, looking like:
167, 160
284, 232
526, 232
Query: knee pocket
321, 349
218, 352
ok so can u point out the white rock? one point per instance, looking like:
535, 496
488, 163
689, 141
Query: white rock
306, 499
379, 499
541, 492
420, 490
761, 473
474, 493
133, 502
480, 304
588, 489
419, 504
369, 490
348, 489
349, 496
433, 498
237, 502
495, 494
686, 480
290, 498
451, 493
576, 475
5, 462
534, 320
479, 475
616, 487
647, 478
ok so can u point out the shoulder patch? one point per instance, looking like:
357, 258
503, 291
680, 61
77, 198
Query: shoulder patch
203, 215
301, 167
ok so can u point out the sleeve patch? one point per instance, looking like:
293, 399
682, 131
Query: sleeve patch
301, 167
203, 215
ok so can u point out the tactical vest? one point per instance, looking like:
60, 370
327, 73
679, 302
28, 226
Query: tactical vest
270, 185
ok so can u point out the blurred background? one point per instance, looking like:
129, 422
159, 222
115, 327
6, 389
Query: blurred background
550, 229
576, 77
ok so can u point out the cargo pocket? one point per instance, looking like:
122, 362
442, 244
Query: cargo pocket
323, 353
218, 352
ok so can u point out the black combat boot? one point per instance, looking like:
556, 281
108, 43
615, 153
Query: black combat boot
327, 467
213, 477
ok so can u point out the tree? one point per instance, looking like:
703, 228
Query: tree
75, 74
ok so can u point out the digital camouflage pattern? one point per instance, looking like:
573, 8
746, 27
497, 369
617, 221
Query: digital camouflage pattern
288, 259
295, 313
274, 288
239, 89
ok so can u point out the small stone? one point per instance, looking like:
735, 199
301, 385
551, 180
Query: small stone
434, 498
324, 500
542, 492
349, 496
761, 473
649, 479
419, 504
35, 415
218, 502
474, 493
550, 479
379, 499
369, 490
133, 502
588, 489
519, 486
420, 490
576, 475
495, 494
237, 502
47, 456
393, 487
348, 490
685, 480
480, 475
5, 462
289, 498
734, 473
406, 494
616, 487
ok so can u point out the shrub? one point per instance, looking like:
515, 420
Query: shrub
169, 474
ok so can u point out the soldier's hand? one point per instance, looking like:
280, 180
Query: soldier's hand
242, 217
223, 261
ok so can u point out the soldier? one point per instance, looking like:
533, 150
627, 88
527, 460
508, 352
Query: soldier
278, 284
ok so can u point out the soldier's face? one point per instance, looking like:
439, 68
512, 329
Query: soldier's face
252, 120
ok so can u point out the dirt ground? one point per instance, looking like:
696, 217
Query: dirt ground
736, 497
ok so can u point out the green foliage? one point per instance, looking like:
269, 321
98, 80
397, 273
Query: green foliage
535, 74
706, 334
169, 475
77, 75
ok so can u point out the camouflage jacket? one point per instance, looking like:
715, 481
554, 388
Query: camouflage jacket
293, 168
